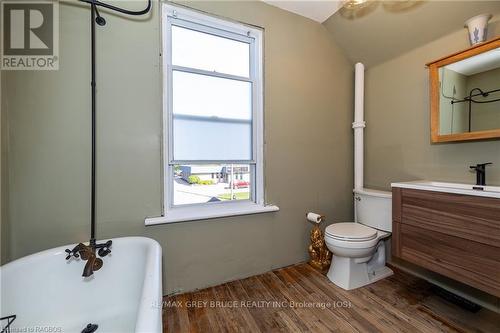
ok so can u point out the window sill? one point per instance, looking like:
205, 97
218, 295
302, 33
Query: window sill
182, 214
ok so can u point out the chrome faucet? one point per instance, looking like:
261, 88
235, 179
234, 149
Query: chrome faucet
480, 173
88, 253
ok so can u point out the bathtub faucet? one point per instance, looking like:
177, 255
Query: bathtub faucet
88, 253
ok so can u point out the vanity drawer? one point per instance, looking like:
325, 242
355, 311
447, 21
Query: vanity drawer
464, 260
463, 216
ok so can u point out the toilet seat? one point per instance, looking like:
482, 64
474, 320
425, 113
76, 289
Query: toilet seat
351, 232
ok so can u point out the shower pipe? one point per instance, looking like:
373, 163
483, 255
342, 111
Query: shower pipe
81, 250
96, 18
470, 100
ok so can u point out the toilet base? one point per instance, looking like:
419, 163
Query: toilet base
348, 275
352, 273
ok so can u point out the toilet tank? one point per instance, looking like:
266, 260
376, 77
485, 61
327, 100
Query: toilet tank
373, 208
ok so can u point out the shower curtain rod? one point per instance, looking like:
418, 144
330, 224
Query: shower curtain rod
481, 93
470, 101
118, 9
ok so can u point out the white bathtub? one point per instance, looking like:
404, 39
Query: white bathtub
49, 294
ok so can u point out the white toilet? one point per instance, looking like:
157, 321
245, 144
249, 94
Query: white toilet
359, 248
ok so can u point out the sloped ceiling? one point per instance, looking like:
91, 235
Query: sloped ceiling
316, 10
381, 32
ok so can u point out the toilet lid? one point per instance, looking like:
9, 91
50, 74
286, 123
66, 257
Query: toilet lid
351, 231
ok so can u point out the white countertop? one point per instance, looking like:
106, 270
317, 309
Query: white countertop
456, 188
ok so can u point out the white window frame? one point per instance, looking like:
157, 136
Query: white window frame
174, 15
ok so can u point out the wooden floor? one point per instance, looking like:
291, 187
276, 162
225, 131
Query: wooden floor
306, 301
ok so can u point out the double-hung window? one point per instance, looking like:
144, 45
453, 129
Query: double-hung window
213, 117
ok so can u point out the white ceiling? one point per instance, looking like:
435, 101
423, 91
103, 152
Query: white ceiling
316, 10
477, 64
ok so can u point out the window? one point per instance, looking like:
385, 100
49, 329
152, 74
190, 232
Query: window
213, 117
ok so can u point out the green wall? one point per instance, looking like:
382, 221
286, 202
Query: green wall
397, 142
4, 233
453, 118
308, 111
485, 116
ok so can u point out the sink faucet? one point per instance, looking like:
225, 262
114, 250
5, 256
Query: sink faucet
88, 253
480, 173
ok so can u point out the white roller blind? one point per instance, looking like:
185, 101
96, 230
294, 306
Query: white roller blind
211, 140
212, 118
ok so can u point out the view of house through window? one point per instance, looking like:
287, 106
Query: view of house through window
200, 183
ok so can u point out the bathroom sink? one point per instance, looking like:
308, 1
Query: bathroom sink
458, 188
464, 186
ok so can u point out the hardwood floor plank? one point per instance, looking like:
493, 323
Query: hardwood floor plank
317, 322
238, 293
400, 303
181, 324
379, 311
200, 314
358, 315
272, 287
233, 320
415, 297
195, 315
283, 294
452, 315
291, 324
386, 293
217, 314
326, 320
264, 316
169, 317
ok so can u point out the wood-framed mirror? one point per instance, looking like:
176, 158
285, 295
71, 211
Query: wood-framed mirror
465, 94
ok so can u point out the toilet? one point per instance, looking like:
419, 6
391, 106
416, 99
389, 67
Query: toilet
359, 247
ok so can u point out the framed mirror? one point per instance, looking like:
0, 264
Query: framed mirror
465, 94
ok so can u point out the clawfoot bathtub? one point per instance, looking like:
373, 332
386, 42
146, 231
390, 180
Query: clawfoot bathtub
46, 293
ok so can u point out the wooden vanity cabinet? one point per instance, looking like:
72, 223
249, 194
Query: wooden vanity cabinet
455, 235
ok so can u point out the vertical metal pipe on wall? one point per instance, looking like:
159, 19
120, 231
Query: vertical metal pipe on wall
359, 124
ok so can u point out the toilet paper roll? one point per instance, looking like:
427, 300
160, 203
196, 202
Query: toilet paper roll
313, 217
